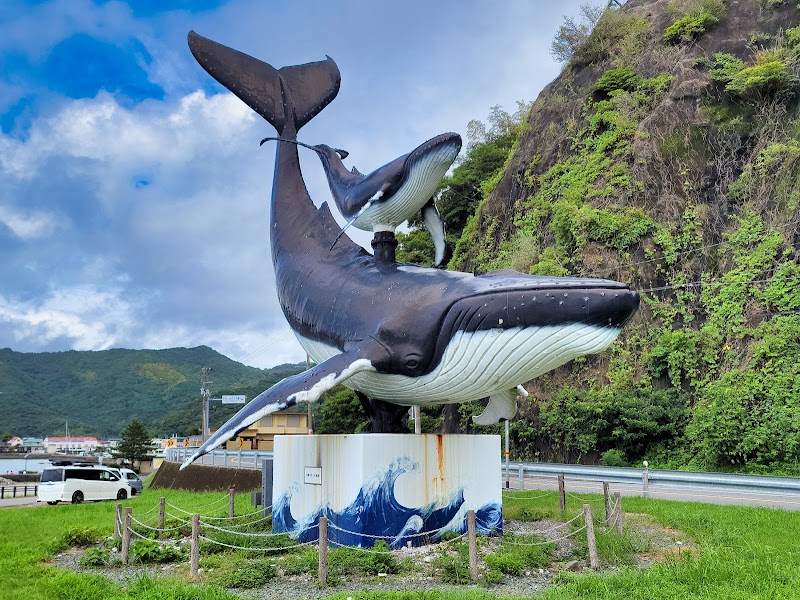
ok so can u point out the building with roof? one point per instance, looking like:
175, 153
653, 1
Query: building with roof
261, 434
70, 445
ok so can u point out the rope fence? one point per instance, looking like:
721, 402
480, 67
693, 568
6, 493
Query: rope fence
226, 532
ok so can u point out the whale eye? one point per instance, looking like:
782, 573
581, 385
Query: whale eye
412, 361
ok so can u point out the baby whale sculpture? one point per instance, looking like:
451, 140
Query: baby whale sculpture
395, 192
403, 334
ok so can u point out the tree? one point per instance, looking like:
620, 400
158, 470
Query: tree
573, 33
136, 443
341, 412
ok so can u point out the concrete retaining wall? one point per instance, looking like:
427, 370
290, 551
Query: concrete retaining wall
201, 478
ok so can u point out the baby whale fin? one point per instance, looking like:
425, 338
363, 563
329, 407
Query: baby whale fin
435, 225
296, 93
307, 386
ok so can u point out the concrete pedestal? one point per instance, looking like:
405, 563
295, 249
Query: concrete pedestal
401, 488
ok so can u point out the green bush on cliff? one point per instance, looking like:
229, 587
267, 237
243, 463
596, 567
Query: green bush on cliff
689, 28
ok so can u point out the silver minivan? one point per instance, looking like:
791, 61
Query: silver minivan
132, 479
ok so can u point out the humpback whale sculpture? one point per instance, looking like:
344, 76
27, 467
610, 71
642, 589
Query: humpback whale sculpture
395, 192
400, 333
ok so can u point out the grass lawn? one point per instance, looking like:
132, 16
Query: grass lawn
743, 552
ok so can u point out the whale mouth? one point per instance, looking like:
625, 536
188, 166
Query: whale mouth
446, 145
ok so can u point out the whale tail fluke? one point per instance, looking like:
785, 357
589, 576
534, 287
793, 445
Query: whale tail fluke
289, 96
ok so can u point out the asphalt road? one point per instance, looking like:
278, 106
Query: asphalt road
27, 501
578, 487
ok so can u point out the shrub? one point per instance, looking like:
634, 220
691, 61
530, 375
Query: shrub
725, 68
344, 561
793, 37
454, 569
77, 537
508, 564
147, 551
95, 557
612, 458
623, 78
770, 76
248, 575
491, 577
302, 562
614, 30
689, 28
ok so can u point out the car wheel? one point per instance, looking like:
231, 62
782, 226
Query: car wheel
77, 497
53, 503
122, 495
133, 492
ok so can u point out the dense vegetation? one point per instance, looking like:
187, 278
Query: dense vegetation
666, 155
99, 393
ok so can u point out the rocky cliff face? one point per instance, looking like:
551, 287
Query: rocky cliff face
667, 155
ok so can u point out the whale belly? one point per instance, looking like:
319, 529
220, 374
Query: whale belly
480, 363
419, 187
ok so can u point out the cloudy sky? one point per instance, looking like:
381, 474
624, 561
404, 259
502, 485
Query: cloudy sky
133, 192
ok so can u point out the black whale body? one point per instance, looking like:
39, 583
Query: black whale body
366, 321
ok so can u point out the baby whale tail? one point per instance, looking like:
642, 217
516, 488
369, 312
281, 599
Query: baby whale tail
288, 97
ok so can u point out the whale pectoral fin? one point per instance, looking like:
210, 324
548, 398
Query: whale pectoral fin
353, 220
435, 226
307, 386
502, 407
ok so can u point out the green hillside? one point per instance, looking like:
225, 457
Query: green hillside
98, 393
666, 155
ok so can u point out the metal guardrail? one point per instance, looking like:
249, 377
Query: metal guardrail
253, 459
237, 459
650, 476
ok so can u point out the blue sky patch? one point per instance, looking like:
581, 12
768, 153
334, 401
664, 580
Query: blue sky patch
81, 66
149, 9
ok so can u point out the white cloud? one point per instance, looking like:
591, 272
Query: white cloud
28, 225
84, 316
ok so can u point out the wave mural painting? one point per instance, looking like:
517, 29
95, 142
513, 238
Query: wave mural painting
367, 495
377, 514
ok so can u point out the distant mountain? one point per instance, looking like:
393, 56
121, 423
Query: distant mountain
100, 392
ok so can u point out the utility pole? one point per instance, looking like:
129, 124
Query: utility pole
205, 394
310, 424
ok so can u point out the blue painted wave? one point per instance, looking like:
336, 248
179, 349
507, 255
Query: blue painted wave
377, 514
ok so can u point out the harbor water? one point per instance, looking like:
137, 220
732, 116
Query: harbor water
33, 464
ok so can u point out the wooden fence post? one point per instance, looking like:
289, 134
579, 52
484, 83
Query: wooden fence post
607, 498
322, 570
562, 493
126, 536
473, 545
231, 502
118, 521
194, 564
162, 509
591, 542
618, 515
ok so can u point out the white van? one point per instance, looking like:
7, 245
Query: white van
76, 484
